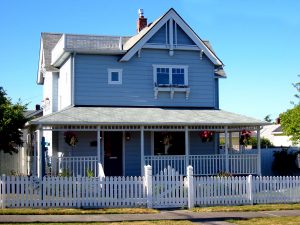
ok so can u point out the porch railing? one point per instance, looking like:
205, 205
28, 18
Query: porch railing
73, 166
205, 164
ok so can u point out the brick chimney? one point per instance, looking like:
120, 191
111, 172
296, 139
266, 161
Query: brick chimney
142, 21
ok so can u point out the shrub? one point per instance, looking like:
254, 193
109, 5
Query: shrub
284, 162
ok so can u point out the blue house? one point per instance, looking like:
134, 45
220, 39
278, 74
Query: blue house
113, 104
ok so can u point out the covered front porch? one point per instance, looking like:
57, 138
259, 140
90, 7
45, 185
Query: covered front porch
118, 149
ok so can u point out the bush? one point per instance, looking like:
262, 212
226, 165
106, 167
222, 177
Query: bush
284, 162
264, 142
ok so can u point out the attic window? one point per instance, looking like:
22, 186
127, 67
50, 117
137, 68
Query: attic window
114, 76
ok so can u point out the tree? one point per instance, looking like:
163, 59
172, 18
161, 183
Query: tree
290, 120
297, 95
268, 118
290, 123
12, 120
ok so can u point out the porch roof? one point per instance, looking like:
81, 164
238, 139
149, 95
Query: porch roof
145, 116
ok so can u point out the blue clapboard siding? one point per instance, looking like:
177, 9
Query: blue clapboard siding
217, 93
197, 147
183, 38
133, 153
92, 88
159, 37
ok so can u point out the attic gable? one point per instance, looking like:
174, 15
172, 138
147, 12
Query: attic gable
169, 31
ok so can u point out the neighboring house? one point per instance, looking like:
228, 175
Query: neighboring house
152, 98
21, 163
275, 134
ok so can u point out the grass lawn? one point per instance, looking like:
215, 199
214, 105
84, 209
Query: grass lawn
293, 220
158, 222
247, 208
62, 211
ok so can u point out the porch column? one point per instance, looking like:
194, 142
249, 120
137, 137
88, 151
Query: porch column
142, 150
258, 152
98, 151
226, 150
187, 152
39, 151
240, 146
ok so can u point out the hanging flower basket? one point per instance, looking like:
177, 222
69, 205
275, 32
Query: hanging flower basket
71, 138
206, 135
245, 137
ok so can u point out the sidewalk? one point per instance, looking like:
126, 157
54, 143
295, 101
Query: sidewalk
206, 218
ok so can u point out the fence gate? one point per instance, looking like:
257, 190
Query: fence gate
169, 189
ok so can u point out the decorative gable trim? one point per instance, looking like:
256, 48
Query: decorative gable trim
168, 17
41, 67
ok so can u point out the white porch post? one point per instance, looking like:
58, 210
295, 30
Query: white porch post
187, 151
98, 150
240, 146
226, 150
142, 150
258, 152
39, 151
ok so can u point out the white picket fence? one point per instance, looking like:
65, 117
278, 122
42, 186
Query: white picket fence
166, 189
16, 192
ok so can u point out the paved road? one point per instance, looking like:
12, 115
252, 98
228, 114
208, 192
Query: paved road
215, 218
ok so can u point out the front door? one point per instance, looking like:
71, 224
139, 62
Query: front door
113, 153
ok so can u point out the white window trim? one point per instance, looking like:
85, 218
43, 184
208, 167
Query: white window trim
170, 67
119, 71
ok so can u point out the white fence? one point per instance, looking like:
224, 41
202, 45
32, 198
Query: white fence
166, 189
72, 192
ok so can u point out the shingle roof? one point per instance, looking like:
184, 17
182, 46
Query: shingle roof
145, 116
49, 41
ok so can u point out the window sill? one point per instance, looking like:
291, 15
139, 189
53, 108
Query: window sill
172, 91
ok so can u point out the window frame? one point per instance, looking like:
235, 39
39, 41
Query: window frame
170, 67
119, 71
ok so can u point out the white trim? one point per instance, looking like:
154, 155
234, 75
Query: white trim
142, 149
119, 71
171, 14
178, 47
171, 41
170, 67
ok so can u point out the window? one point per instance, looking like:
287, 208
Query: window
169, 143
114, 76
170, 75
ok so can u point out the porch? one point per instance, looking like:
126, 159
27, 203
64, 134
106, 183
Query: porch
129, 146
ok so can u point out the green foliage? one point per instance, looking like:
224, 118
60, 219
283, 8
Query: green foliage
12, 121
224, 174
89, 173
297, 95
290, 123
268, 118
65, 173
284, 162
264, 142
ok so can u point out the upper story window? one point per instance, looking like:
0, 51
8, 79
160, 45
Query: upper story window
114, 76
170, 75
171, 78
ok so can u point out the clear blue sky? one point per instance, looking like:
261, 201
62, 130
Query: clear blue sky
258, 41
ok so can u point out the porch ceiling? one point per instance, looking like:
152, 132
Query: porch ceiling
145, 116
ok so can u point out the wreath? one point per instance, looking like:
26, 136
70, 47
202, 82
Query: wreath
206, 135
71, 138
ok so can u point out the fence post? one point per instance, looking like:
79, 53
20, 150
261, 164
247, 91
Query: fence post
249, 189
148, 184
190, 181
3, 191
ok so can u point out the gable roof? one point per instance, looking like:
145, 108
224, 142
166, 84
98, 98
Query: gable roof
136, 42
